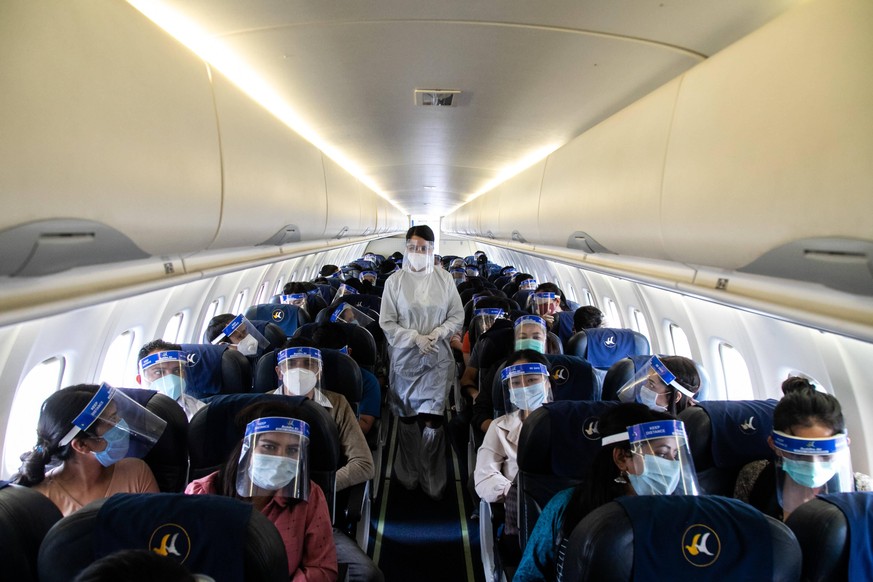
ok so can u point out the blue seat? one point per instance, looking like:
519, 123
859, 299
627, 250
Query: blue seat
287, 317
26, 516
677, 537
603, 346
216, 369
219, 536
571, 378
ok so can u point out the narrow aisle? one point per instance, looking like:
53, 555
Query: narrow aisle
416, 538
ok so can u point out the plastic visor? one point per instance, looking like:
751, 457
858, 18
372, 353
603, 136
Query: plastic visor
298, 299
518, 382
296, 366
346, 290
472, 272
528, 285
110, 408
274, 460
237, 329
425, 249
459, 274
673, 470
160, 364
807, 467
345, 313
653, 376
483, 319
531, 327
544, 302
370, 276
300, 357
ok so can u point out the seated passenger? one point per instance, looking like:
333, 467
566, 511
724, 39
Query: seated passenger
526, 387
332, 336
644, 452
667, 383
812, 454
270, 469
84, 434
549, 303
162, 368
136, 566
236, 332
587, 317
299, 369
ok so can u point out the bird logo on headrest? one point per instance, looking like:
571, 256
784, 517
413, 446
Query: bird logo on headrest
701, 545
171, 541
278, 315
591, 428
560, 375
609, 342
747, 426
192, 359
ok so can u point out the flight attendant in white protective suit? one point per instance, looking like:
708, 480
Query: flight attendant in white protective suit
421, 309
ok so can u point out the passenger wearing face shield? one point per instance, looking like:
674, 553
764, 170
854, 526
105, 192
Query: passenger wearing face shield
643, 452
812, 454
162, 368
667, 383
421, 309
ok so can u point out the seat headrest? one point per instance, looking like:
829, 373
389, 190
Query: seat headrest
737, 432
287, 317
572, 378
607, 345
208, 534
203, 373
26, 516
681, 538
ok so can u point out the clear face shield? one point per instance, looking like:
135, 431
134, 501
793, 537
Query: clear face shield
370, 258
121, 426
653, 385
472, 272
164, 372
346, 290
661, 459
457, 264
368, 277
528, 285
544, 303
806, 467
419, 256
459, 276
300, 370
242, 336
345, 313
484, 318
350, 272
531, 333
525, 387
298, 299
274, 459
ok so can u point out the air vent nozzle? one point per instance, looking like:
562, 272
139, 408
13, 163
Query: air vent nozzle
436, 97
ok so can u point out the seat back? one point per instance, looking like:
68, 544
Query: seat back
676, 537
25, 518
340, 374
213, 433
274, 334
834, 532
571, 378
287, 317
619, 374
603, 346
557, 445
362, 300
168, 458
216, 369
217, 536
726, 435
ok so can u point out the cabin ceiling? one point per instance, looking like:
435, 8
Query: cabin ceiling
532, 75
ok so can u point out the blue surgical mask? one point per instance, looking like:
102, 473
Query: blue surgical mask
528, 397
660, 476
650, 398
272, 472
810, 474
530, 344
171, 385
117, 441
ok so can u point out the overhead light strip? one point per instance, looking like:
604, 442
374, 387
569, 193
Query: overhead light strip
240, 73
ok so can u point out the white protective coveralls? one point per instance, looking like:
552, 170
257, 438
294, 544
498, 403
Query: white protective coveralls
416, 304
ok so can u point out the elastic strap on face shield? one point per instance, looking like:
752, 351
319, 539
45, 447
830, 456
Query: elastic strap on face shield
615, 438
89, 414
669, 377
229, 329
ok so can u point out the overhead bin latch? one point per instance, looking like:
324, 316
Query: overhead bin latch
584, 242
289, 233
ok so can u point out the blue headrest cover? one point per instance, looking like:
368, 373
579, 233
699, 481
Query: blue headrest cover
692, 538
565, 326
739, 431
285, 316
607, 345
575, 440
206, 533
858, 509
570, 377
204, 369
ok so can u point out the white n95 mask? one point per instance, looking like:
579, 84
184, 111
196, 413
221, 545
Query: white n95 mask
299, 381
247, 346
418, 261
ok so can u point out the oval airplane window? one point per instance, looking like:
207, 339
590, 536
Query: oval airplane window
213, 308
41, 382
262, 293
589, 298
735, 373
639, 322
239, 304
173, 330
611, 312
119, 364
681, 347
279, 286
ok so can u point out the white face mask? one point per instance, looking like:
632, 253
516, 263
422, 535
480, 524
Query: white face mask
417, 261
247, 346
271, 472
299, 381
